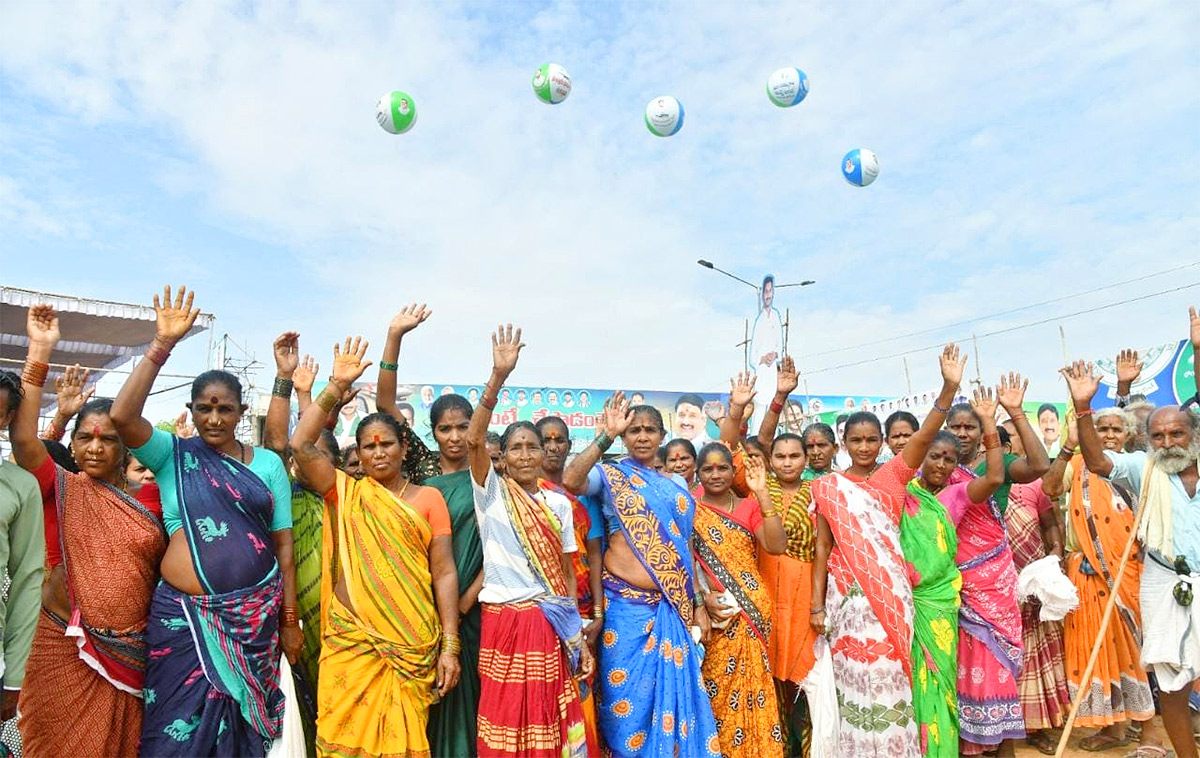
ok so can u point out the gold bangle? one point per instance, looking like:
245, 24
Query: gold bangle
327, 401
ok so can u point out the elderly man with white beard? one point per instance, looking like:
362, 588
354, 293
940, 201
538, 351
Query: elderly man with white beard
1166, 477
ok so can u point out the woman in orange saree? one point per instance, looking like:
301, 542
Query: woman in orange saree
736, 670
82, 693
1100, 515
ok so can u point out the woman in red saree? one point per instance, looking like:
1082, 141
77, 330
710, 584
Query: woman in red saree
83, 691
859, 573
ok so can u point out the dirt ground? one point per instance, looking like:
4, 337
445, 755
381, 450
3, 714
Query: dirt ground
1073, 751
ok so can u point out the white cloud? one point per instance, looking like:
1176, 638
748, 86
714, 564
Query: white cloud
995, 126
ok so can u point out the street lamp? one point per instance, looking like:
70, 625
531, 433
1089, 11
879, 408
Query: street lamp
708, 265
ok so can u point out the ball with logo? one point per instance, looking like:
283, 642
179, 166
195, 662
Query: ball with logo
551, 83
860, 167
664, 116
787, 86
396, 112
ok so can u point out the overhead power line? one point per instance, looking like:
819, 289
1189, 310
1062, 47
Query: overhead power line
1051, 301
1006, 330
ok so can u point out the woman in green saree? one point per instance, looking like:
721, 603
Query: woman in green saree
929, 541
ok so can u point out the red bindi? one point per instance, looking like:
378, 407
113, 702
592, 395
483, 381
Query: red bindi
95, 430
215, 400
376, 439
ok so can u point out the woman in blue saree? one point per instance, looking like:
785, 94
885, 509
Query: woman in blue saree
650, 696
227, 600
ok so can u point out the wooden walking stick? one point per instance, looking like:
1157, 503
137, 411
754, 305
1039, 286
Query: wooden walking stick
1085, 680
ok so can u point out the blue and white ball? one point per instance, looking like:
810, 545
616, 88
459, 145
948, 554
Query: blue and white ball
787, 86
860, 167
664, 116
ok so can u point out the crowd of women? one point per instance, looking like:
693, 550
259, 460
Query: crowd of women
666, 601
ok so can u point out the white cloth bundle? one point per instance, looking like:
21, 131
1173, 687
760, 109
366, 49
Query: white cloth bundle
1045, 580
821, 690
291, 743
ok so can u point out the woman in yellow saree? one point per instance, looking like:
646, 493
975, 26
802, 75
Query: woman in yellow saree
386, 558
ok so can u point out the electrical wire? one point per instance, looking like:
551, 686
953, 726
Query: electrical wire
1005, 330
1003, 313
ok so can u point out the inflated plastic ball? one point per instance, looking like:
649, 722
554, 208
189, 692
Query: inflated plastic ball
552, 83
860, 167
664, 116
787, 86
396, 112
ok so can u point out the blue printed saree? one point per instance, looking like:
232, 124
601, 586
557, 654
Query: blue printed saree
212, 683
650, 694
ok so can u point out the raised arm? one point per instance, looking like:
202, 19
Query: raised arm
409, 318
1129, 368
73, 394
287, 358
1054, 481
1194, 336
348, 365
302, 381
173, 320
741, 394
506, 349
1011, 394
615, 418
42, 327
952, 362
983, 487
786, 381
1084, 382
770, 534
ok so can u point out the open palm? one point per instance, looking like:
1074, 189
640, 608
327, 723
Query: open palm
506, 348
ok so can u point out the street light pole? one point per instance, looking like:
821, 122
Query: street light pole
708, 265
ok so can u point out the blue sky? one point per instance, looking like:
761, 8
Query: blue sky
1028, 151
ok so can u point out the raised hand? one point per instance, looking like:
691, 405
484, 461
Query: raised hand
287, 353
1011, 392
1194, 318
410, 317
506, 348
1072, 425
173, 320
756, 473
615, 417
984, 402
953, 360
1082, 381
741, 389
348, 362
305, 374
42, 325
1129, 367
73, 391
183, 426
787, 378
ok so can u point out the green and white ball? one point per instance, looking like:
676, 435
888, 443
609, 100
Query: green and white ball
396, 112
552, 83
787, 86
664, 116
